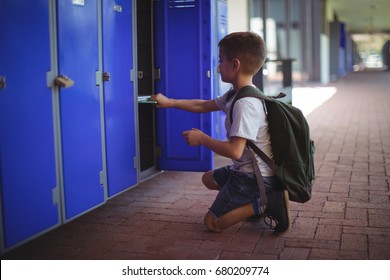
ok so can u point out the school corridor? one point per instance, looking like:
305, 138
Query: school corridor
347, 218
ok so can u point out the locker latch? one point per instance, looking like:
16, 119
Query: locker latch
157, 73
106, 77
63, 81
2, 82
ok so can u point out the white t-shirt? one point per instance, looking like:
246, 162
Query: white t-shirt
250, 122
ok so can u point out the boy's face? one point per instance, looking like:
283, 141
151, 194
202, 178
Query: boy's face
225, 67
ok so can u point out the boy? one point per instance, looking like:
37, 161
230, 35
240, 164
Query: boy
241, 56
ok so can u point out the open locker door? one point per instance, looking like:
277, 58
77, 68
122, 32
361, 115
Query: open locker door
183, 56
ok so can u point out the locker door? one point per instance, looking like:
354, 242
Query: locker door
183, 54
119, 95
27, 153
80, 106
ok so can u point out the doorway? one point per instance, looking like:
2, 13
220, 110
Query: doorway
146, 78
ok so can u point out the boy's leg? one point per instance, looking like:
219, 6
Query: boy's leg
231, 204
209, 181
230, 218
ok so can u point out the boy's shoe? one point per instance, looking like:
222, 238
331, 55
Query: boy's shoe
254, 218
277, 215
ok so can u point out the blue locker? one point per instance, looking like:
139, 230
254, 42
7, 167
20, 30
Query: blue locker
183, 54
77, 24
119, 95
27, 152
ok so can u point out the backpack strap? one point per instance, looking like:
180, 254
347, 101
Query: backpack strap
247, 91
262, 155
230, 94
250, 91
262, 201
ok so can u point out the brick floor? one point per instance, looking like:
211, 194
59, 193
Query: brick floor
347, 218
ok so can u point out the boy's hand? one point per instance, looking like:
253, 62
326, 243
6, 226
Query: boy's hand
193, 137
162, 100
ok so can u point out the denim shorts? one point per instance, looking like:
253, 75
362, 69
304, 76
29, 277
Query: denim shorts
237, 189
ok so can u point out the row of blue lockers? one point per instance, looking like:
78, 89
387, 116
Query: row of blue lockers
68, 103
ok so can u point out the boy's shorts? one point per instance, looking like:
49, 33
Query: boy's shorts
237, 189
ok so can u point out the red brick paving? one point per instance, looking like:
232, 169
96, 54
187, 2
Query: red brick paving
347, 218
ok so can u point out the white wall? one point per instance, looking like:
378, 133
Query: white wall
237, 15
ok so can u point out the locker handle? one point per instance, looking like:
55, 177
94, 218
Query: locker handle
106, 76
63, 81
2, 82
146, 100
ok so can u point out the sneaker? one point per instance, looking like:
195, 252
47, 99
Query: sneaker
254, 218
277, 215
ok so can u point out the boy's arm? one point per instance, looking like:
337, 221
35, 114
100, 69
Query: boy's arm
232, 149
191, 105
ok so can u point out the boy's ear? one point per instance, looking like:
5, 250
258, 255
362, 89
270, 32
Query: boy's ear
236, 64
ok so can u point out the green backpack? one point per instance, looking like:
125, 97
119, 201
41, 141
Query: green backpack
292, 147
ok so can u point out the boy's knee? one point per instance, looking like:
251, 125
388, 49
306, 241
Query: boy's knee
211, 223
208, 180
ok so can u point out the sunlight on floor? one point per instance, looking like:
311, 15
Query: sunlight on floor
309, 98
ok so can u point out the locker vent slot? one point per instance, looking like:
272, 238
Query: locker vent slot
180, 4
223, 20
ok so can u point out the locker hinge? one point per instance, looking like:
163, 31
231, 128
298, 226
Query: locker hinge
156, 74
135, 162
102, 175
158, 151
56, 196
208, 74
50, 79
99, 78
132, 75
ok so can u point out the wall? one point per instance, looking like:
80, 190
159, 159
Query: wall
237, 15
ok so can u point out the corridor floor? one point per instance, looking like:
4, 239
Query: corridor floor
347, 218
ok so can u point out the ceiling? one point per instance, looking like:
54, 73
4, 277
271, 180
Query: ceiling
363, 16
367, 20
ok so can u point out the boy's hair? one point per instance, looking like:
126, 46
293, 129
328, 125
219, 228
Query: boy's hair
248, 47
